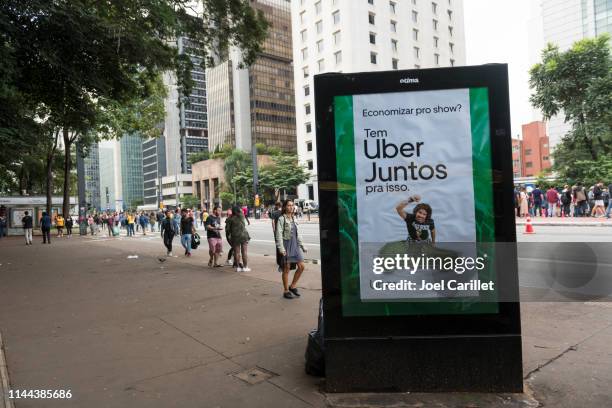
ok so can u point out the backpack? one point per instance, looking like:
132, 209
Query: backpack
195, 241
580, 196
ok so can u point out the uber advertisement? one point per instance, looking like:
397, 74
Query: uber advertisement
415, 199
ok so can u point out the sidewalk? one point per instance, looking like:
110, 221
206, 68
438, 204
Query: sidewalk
119, 332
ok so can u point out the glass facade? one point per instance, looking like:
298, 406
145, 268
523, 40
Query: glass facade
603, 16
271, 80
153, 167
92, 177
131, 171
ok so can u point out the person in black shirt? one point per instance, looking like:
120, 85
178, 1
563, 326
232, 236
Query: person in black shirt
27, 227
421, 227
69, 224
274, 216
213, 234
187, 230
168, 231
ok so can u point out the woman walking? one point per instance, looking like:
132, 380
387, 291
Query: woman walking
290, 246
238, 235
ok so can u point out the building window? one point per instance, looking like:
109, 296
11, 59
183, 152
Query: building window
371, 18
318, 7
416, 52
434, 7
308, 127
320, 45
336, 16
303, 17
321, 64
319, 26
450, 15
337, 37
371, 2
437, 59
529, 164
452, 47
309, 146
394, 45
304, 53
415, 16
373, 57
450, 31
416, 66
527, 152
392, 7
544, 157
338, 57
372, 38
310, 165
435, 24
307, 108
394, 63
393, 26
306, 72
304, 35
452, 62
436, 41
415, 34
306, 90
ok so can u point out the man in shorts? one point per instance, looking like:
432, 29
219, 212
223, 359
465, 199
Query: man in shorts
213, 234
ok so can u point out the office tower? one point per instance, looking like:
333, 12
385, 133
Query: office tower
92, 177
366, 35
255, 104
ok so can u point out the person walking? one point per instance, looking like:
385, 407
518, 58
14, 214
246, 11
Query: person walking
168, 231
566, 201
130, 225
231, 260
274, 216
59, 225
69, 224
27, 223
580, 198
291, 248
609, 209
144, 220
92, 224
45, 227
552, 197
524, 203
152, 221
187, 230
598, 209
213, 235
537, 195
239, 237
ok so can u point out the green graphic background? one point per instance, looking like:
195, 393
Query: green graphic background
347, 212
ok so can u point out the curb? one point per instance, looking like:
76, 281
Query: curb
567, 224
5, 401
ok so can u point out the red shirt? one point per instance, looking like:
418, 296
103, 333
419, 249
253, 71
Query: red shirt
552, 196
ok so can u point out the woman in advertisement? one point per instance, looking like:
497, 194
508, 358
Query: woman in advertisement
421, 227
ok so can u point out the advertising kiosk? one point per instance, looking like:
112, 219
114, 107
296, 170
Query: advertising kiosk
415, 187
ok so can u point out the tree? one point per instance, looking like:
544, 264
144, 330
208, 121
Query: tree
190, 201
285, 173
70, 58
578, 83
199, 156
235, 163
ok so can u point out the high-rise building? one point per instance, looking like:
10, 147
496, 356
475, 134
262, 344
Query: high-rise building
255, 104
366, 35
563, 23
185, 129
92, 177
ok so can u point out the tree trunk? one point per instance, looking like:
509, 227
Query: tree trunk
49, 183
67, 165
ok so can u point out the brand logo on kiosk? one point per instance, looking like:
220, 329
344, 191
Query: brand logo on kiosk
409, 81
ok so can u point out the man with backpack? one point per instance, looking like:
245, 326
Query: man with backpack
580, 198
537, 195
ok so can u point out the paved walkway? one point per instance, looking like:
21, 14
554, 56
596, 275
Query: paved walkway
138, 332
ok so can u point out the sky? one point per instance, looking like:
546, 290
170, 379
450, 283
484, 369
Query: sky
497, 31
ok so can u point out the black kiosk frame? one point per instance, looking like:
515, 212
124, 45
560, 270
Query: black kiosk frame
419, 353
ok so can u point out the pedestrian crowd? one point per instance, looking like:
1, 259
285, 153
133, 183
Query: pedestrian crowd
569, 201
183, 223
